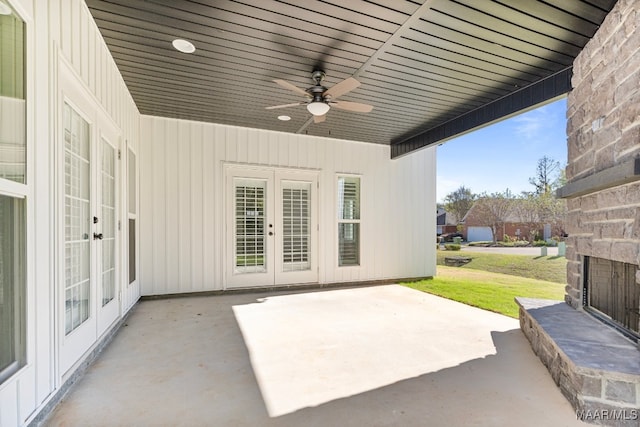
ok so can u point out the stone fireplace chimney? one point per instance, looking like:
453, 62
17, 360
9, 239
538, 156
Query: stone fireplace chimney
592, 350
603, 171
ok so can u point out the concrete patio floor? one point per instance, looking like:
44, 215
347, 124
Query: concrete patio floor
368, 356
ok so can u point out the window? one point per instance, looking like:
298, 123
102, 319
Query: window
12, 207
348, 221
12, 279
132, 215
12, 99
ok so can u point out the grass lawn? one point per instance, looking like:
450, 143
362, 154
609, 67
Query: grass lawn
551, 269
491, 281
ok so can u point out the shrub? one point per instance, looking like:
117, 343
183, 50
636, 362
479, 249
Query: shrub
452, 247
481, 243
550, 243
513, 241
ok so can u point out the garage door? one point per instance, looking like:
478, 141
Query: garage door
479, 234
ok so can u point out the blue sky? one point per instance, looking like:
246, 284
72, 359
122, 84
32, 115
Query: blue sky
503, 155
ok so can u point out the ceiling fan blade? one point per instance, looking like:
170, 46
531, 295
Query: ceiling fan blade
319, 119
295, 104
341, 88
352, 106
285, 84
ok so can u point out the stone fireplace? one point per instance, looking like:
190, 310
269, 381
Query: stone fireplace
603, 247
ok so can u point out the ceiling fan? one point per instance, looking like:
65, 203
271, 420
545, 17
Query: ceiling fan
320, 99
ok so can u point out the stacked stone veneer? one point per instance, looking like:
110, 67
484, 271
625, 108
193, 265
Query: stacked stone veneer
596, 369
603, 128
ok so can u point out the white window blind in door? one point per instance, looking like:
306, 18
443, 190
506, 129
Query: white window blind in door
296, 223
250, 201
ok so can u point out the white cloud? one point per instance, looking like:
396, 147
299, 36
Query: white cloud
534, 124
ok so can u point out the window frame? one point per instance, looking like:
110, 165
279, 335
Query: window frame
19, 296
23, 191
132, 215
340, 220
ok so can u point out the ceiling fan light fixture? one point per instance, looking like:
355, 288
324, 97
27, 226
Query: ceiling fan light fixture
183, 46
318, 108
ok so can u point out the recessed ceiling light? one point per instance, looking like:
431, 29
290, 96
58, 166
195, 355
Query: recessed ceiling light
5, 9
183, 46
284, 118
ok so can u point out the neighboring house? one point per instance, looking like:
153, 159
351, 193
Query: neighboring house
446, 222
476, 229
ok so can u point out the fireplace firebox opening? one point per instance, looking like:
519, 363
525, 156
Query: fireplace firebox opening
612, 294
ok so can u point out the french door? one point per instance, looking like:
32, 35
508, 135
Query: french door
90, 294
272, 227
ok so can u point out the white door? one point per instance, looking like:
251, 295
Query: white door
89, 297
107, 234
272, 227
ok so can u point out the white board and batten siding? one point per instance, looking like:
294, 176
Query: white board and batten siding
81, 46
181, 200
180, 176
61, 37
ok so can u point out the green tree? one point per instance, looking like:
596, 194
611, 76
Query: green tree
459, 202
553, 211
527, 210
548, 176
537, 210
493, 210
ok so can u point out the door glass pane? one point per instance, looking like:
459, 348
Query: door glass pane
250, 239
77, 219
12, 286
108, 207
12, 98
296, 225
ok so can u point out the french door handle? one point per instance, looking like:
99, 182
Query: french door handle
271, 233
97, 236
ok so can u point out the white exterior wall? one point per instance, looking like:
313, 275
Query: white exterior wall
180, 221
60, 35
182, 205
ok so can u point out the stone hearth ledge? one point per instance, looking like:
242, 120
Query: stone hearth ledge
595, 367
